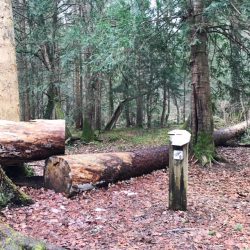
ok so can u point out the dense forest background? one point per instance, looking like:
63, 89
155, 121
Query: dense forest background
126, 63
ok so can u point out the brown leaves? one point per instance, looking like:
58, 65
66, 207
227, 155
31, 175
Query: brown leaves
134, 214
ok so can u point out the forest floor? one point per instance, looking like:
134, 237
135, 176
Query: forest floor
134, 214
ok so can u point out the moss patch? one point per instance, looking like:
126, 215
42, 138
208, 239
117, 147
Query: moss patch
204, 148
9, 193
88, 134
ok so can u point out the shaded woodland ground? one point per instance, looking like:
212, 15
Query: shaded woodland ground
134, 214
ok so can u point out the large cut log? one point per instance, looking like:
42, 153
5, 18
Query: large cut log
30, 141
221, 136
70, 173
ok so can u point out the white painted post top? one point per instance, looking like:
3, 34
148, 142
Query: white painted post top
179, 137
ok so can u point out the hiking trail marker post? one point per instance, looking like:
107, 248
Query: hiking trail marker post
178, 169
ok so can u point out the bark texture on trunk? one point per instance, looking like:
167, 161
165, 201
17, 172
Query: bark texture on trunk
70, 173
202, 118
9, 97
30, 141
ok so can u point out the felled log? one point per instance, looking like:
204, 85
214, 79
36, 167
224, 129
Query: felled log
73, 173
221, 136
10, 239
30, 141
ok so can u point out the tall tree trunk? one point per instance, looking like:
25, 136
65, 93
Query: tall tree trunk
98, 104
9, 96
202, 119
139, 111
111, 97
177, 109
149, 110
78, 94
164, 103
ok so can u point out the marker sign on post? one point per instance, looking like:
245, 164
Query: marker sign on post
178, 155
178, 169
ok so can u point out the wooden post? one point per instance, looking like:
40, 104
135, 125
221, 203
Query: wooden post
178, 169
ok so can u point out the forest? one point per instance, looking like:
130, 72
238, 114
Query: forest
90, 91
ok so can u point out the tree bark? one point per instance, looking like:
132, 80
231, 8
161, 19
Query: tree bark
30, 141
9, 97
202, 119
70, 173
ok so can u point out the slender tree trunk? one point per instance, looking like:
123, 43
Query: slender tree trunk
139, 111
177, 109
149, 110
98, 104
164, 103
78, 94
168, 106
184, 101
111, 97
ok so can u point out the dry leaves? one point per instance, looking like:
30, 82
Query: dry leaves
134, 215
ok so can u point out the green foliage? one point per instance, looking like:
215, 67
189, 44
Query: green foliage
4, 198
238, 227
246, 137
142, 49
212, 233
149, 137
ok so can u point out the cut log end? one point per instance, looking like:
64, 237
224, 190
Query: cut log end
57, 175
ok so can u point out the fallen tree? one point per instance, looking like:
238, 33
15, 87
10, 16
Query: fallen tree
221, 136
70, 173
30, 141
73, 173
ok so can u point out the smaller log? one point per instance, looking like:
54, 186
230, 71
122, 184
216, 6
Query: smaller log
221, 136
73, 173
30, 141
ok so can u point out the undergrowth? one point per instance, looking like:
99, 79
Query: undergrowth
149, 137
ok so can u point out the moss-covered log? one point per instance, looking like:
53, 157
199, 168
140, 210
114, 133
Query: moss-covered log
30, 141
9, 193
12, 240
70, 173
